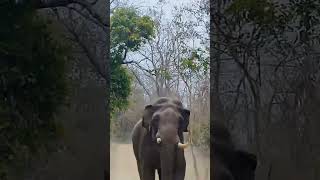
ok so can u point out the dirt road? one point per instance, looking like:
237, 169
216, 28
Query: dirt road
123, 164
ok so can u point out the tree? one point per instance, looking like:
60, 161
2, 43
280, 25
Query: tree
93, 12
265, 48
83, 25
129, 31
33, 87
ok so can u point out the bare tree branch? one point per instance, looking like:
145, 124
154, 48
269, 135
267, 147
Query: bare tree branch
41, 4
100, 67
141, 83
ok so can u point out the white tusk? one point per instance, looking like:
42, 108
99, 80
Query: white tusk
182, 146
158, 140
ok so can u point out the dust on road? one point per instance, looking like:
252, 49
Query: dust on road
123, 163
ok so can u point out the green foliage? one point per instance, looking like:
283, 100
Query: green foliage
125, 121
201, 135
265, 12
274, 20
165, 73
33, 86
260, 11
307, 14
120, 88
196, 62
129, 31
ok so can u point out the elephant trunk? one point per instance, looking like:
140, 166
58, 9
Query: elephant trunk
172, 159
168, 158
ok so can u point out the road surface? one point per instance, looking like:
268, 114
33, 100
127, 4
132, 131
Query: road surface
123, 164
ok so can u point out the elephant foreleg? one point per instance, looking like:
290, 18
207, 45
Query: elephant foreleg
180, 174
180, 166
139, 171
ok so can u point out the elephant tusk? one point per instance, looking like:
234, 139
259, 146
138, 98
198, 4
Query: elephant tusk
182, 146
158, 140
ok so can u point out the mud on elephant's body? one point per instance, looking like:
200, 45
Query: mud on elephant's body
158, 140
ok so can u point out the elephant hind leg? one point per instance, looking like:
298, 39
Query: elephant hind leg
159, 173
148, 173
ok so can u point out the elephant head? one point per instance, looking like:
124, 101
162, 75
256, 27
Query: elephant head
166, 120
229, 163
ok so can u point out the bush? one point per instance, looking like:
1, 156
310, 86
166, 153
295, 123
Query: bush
201, 135
33, 87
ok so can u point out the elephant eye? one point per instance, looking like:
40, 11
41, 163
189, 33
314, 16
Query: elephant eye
155, 119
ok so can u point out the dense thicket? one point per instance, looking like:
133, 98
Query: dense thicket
265, 81
33, 86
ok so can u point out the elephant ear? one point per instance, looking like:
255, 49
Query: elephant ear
185, 119
148, 112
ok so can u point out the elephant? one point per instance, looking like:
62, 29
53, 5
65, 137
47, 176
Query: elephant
230, 163
158, 142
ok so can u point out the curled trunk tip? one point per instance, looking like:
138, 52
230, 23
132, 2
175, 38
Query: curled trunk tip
182, 145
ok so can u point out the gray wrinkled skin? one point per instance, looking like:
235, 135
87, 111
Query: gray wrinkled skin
166, 119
